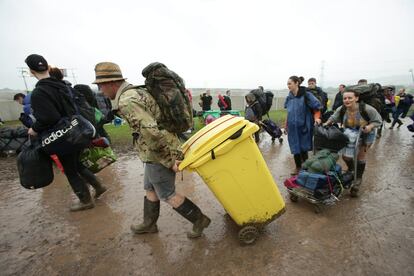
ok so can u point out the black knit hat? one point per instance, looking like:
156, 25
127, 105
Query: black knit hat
37, 63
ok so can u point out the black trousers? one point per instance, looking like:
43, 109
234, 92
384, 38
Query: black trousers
73, 169
300, 158
396, 116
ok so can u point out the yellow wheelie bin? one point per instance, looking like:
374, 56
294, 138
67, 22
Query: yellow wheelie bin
227, 158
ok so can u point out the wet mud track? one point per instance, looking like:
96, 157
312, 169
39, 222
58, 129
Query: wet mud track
370, 235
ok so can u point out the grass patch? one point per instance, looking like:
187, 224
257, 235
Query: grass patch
119, 134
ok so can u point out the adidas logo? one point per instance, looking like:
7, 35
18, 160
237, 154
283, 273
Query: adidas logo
58, 133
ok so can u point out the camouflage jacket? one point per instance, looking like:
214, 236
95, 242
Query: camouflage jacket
141, 111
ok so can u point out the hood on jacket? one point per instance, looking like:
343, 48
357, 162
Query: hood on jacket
52, 82
301, 92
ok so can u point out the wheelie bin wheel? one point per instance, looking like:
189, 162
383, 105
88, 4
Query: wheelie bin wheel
293, 198
248, 234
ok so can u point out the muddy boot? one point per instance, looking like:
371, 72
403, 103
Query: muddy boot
85, 202
94, 181
350, 164
192, 213
357, 183
151, 214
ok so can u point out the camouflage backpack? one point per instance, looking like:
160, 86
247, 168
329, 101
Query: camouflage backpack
169, 92
319, 95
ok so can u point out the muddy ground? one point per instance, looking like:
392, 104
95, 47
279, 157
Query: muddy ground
371, 235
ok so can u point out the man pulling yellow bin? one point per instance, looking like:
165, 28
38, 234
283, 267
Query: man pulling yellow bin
227, 158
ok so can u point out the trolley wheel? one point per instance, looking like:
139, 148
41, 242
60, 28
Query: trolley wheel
281, 140
317, 209
293, 198
248, 234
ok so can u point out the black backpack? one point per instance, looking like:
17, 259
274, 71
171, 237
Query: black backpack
82, 106
265, 99
269, 101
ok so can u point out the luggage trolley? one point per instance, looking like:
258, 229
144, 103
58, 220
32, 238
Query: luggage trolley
272, 129
345, 181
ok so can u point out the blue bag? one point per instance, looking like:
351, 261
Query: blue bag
314, 181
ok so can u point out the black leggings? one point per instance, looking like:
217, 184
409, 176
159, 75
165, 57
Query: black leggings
300, 158
73, 169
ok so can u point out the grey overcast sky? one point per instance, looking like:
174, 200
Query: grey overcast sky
212, 43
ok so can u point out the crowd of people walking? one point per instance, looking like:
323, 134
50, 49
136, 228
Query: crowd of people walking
159, 147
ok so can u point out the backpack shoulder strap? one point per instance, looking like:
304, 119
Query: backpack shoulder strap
363, 111
342, 112
135, 87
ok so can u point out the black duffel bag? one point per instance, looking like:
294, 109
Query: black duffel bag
34, 167
68, 135
329, 137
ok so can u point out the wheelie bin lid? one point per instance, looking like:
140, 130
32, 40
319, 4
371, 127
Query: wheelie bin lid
209, 137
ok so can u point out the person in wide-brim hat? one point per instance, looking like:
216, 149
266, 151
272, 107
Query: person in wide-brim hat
107, 72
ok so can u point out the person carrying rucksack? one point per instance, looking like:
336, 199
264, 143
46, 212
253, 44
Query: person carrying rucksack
355, 116
89, 96
82, 105
303, 111
253, 112
319, 94
50, 102
157, 147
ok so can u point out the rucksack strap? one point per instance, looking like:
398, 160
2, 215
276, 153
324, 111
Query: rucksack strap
362, 111
342, 112
72, 99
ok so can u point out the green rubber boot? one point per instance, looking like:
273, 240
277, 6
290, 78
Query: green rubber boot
151, 214
192, 213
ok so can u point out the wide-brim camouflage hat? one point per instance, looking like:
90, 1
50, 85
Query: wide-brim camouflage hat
107, 72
